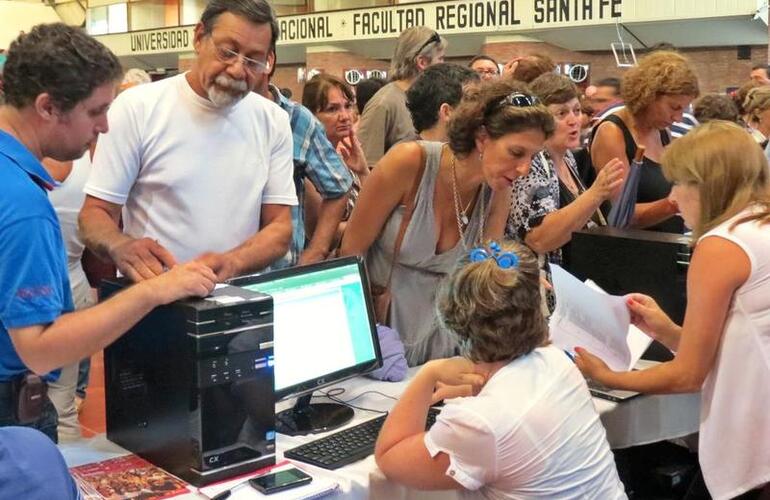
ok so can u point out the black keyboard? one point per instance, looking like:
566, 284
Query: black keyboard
346, 446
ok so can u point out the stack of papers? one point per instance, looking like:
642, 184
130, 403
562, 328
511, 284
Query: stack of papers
587, 317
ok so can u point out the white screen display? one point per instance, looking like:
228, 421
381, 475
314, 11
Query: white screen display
320, 324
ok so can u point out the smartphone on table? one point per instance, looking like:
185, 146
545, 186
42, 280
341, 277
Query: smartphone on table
280, 481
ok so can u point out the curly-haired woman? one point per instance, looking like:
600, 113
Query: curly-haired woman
531, 430
656, 93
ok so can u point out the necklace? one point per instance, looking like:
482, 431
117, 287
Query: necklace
460, 213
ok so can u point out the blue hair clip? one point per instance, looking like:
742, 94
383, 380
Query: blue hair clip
505, 260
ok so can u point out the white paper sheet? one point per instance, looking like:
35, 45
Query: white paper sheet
588, 317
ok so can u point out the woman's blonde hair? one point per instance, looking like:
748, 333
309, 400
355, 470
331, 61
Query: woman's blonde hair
495, 312
483, 106
728, 168
757, 101
660, 73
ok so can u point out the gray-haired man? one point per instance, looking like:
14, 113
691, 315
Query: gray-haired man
386, 119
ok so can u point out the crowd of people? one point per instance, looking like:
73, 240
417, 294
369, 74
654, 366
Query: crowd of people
459, 184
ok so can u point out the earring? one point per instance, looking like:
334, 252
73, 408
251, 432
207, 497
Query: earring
481, 156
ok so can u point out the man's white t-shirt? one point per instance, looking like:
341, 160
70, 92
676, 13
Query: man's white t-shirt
532, 432
67, 199
189, 174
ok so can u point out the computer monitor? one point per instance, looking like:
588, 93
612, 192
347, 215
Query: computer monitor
324, 332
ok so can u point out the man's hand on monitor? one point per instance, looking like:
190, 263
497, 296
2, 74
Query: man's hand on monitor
192, 279
141, 259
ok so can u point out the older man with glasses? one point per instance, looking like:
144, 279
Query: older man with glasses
485, 66
386, 119
202, 164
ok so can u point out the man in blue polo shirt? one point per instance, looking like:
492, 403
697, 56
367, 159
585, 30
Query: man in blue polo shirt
59, 83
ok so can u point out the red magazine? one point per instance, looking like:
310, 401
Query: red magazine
129, 477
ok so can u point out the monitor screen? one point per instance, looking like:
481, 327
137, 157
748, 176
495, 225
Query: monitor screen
323, 324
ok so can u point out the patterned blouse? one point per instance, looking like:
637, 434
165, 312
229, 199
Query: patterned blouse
536, 195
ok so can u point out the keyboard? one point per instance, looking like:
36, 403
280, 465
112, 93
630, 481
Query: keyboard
346, 446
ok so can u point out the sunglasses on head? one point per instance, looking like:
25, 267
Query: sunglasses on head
514, 99
518, 99
434, 38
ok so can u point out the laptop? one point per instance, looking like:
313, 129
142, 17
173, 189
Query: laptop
615, 395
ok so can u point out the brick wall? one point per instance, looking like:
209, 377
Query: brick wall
717, 68
334, 63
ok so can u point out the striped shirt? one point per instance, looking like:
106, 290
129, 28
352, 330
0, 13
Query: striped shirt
677, 129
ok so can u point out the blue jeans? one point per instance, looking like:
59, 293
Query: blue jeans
47, 423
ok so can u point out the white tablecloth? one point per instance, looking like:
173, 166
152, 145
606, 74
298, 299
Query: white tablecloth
641, 420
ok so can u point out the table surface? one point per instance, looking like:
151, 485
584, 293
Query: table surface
642, 420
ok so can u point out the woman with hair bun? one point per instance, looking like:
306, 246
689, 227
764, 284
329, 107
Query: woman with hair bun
526, 426
493, 134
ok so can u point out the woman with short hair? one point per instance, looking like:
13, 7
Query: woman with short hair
332, 101
525, 426
656, 93
757, 107
551, 202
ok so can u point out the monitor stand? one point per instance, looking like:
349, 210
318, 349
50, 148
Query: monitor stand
307, 418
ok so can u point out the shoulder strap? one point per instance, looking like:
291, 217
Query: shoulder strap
408, 212
665, 138
627, 136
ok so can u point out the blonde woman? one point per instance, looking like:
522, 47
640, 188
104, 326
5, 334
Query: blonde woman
721, 186
656, 93
531, 430
757, 107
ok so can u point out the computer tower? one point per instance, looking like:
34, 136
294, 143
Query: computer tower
623, 261
190, 387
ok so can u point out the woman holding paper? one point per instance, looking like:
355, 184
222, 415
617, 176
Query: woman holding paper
721, 186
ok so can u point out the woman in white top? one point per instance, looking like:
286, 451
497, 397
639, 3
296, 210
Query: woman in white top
721, 186
531, 430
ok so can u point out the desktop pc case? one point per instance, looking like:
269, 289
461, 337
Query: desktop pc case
190, 387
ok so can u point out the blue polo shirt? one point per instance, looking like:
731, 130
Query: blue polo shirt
34, 285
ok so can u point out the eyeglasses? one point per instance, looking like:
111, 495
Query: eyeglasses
482, 71
514, 99
229, 56
434, 38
